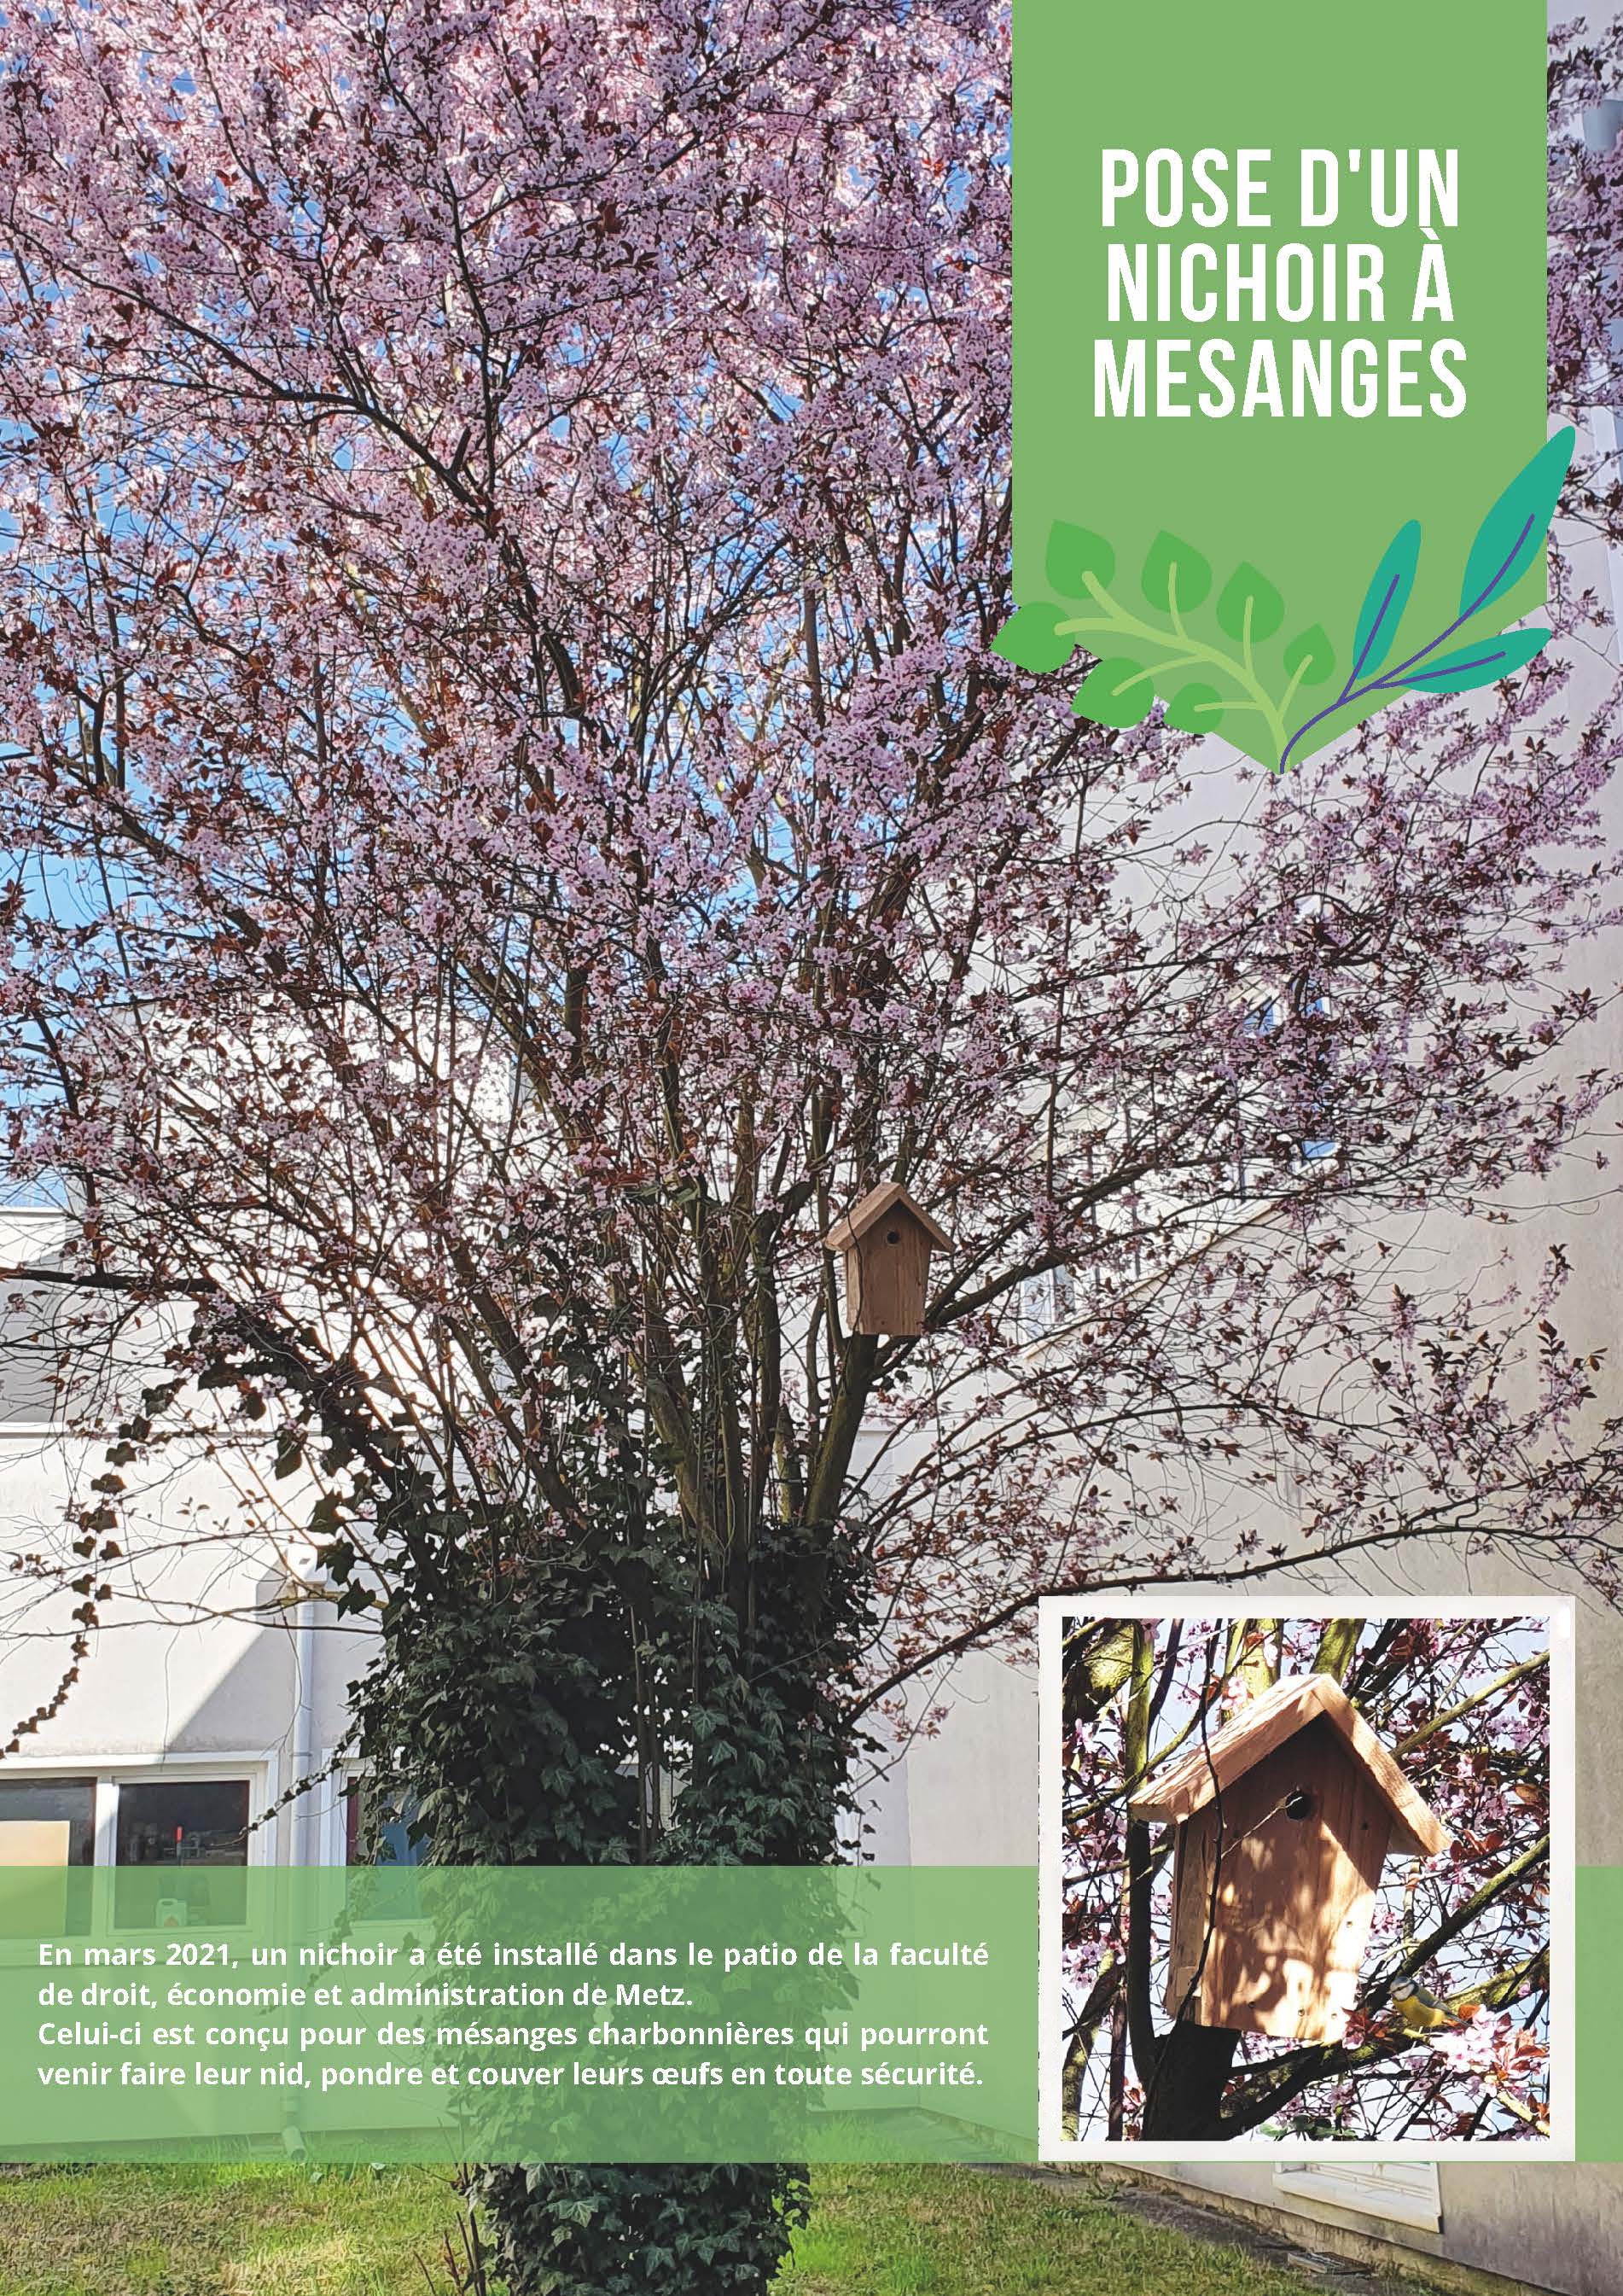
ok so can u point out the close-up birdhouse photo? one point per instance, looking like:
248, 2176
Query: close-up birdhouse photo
1297, 1877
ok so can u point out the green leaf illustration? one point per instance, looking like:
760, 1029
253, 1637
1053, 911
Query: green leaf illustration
1248, 589
1030, 638
1115, 692
1195, 709
1508, 539
1176, 577
1310, 658
1471, 666
1384, 601
1074, 553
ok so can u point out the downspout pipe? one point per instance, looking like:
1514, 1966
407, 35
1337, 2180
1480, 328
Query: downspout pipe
305, 1811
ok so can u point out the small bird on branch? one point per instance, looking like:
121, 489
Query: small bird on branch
1421, 2010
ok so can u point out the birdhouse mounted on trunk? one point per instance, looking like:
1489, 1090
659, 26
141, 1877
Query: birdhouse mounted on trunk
1285, 1818
886, 1240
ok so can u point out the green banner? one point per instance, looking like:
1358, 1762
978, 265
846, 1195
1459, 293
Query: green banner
1279, 351
568, 2014
557, 2013
1599, 2069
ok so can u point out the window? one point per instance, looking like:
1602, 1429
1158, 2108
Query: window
182, 1842
1047, 1301
51, 1822
192, 1833
1312, 1049
35, 1344
1402, 2193
32, 1802
395, 1844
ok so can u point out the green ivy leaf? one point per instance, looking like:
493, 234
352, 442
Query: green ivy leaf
1248, 589
1384, 601
1508, 539
1174, 575
1116, 693
1195, 709
1310, 658
1030, 638
1073, 554
1471, 666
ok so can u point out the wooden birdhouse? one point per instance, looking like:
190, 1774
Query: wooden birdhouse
1296, 1803
886, 1240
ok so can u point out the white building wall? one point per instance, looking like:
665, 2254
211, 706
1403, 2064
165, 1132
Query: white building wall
199, 1665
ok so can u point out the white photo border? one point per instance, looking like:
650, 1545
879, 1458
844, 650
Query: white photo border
1560, 1614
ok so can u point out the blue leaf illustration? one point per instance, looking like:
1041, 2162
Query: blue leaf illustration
1508, 538
1384, 601
1471, 666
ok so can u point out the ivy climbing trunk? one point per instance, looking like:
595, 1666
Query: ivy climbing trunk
558, 1709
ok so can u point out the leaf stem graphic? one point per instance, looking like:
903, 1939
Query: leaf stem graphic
1297, 675
1082, 565
1392, 680
1113, 616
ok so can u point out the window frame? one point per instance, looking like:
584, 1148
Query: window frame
29, 1222
1049, 1303
348, 1777
108, 1772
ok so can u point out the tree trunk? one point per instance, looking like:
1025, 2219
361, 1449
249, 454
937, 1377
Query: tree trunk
527, 1709
1185, 2094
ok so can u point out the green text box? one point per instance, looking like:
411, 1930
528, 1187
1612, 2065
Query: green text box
1311, 501
539, 2012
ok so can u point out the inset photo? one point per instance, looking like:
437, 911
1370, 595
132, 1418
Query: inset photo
1307, 1880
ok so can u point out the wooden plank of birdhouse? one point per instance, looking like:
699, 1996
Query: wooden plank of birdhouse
1213, 1762
1302, 1894
887, 1276
1416, 1830
1193, 1909
1295, 1895
889, 1196
1212, 1766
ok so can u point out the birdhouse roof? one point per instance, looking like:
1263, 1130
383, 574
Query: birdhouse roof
875, 1206
1268, 1722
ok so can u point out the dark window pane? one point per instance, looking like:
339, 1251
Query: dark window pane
67, 1804
395, 1846
191, 1835
45, 1801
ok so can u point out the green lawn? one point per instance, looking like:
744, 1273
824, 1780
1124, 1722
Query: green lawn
950, 2232
268, 2231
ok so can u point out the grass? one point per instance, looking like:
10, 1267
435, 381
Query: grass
273, 2231
247, 2230
953, 2232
